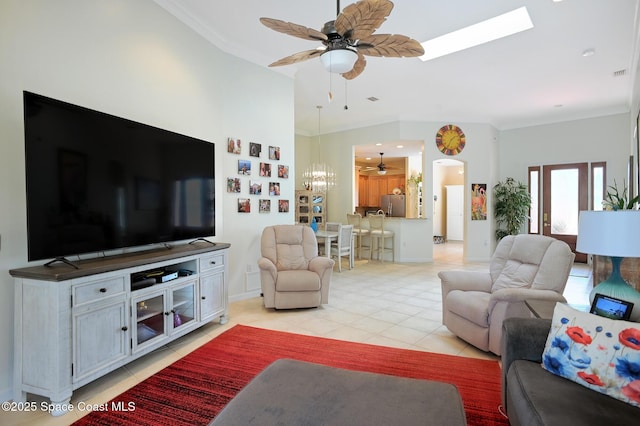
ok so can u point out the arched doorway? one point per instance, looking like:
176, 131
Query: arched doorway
449, 215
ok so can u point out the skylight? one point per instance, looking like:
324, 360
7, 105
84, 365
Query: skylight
504, 25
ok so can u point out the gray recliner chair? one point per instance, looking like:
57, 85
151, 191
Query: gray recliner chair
292, 275
525, 266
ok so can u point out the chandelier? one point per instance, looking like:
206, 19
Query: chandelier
319, 177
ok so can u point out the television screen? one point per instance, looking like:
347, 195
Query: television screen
97, 182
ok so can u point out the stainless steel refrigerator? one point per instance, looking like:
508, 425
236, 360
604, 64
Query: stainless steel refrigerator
394, 205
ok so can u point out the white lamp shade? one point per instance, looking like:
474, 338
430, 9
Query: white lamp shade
609, 233
339, 60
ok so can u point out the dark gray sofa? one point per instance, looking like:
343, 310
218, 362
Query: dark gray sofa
533, 396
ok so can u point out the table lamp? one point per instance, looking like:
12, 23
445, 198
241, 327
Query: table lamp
615, 234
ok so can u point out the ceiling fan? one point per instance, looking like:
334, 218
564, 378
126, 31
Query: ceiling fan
382, 169
349, 38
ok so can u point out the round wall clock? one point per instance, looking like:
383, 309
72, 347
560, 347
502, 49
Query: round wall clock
450, 139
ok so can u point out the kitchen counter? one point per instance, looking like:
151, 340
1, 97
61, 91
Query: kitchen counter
413, 238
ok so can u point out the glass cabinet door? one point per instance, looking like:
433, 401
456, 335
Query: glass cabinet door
149, 313
183, 306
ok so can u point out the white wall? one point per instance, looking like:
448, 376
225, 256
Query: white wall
480, 154
132, 59
489, 155
596, 139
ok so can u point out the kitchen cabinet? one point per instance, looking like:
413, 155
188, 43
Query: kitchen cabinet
372, 187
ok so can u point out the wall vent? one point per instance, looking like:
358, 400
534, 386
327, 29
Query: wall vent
373, 99
620, 73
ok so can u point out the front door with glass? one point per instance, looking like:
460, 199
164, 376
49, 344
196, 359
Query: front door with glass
564, 195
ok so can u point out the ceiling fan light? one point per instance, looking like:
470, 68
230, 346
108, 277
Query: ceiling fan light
339, 60
382, 172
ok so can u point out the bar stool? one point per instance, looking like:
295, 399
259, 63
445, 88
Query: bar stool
379, 234
355, 219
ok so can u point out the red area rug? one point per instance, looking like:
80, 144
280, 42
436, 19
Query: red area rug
195, 388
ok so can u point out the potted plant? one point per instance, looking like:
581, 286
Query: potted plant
616, 200
512, 203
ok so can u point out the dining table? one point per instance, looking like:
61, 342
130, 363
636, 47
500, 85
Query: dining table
327, 236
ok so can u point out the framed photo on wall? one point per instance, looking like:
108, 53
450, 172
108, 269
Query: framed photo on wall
274, 188
233, 184
264, 206
233, 146
265, 169
255, 149
283, 206
255, 188
478, 201
244, 167
274, 153
244, 205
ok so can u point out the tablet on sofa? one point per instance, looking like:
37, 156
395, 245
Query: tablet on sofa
610, 307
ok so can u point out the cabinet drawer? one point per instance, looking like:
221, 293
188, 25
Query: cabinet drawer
85, 293
215, 261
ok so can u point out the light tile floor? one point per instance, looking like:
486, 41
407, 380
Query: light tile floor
391, 304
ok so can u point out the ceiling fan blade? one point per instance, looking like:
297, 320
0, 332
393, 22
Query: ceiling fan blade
361, 19
357, 69
293, 29
390, 45
297, 57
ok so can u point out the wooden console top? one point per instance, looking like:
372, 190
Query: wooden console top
62, 272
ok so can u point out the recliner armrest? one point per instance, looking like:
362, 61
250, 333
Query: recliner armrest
513, 295
320, 264
268, 266
465, 280
516, 294
522, 338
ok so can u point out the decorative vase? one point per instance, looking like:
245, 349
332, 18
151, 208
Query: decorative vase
615, 286
314, 225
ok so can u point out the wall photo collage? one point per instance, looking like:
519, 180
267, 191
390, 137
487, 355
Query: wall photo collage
252, 182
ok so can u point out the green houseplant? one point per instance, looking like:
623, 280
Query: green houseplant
616, 200
512, 203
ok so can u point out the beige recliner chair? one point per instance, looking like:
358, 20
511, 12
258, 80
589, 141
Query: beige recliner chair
474, 304
292, 275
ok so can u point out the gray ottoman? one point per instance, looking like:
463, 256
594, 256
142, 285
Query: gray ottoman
292, 392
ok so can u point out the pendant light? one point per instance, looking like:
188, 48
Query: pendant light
319, 177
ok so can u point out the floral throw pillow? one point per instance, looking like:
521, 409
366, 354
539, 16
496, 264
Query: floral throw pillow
599, 353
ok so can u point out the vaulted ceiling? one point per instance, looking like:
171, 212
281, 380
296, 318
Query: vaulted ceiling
534, 77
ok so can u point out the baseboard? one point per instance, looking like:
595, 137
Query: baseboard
244, 296
414, 259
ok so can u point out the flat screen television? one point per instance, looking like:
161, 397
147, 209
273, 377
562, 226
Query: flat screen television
96, 182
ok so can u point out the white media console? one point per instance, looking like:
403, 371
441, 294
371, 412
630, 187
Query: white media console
73, 326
